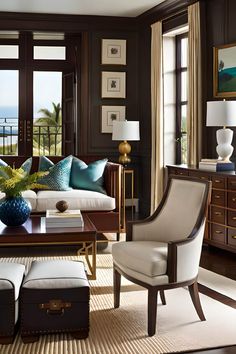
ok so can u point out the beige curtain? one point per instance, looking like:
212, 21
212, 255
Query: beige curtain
157, 161
194, 113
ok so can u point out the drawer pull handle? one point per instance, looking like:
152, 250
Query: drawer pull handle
234, 218
233, 199
217, 196
203, 178
234, 236
218, 232
217, 213
217, 181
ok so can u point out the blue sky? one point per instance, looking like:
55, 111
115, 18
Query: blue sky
47, 89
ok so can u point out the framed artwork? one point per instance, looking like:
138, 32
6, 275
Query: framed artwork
224, 76
109, 115
113, 84
114, 51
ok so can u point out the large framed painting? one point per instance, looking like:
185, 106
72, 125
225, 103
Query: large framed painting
224, 78
109, 115
114, 51
113, 84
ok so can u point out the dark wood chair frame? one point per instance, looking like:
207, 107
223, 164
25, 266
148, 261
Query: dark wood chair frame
171, 261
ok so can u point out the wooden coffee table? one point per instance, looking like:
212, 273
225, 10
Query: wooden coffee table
34, 233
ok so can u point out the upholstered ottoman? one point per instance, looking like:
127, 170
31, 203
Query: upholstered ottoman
11, 276
55, 298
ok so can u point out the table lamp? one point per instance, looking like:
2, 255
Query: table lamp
126, 131
222, 113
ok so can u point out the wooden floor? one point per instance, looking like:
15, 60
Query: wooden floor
224, 263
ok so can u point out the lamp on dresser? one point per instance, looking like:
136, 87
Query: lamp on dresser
125, 131
222, 114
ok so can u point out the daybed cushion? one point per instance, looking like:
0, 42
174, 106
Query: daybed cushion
77, 199
29, 195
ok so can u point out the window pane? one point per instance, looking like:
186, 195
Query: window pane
184, 134
47, 132
9, 52
184, 86
9, 108
49, 53
184, 52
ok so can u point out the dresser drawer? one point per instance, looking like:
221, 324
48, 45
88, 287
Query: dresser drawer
218, 214
219, 182
181, 172
200, 175
232, 200
218, 197
232, 237
232, 183
218, 233
232, 218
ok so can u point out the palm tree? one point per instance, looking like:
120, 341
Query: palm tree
47, 130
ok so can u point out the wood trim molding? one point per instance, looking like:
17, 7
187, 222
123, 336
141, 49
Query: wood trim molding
65, 23
164, 10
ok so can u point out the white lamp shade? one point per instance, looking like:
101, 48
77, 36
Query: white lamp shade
221, 113
125, 130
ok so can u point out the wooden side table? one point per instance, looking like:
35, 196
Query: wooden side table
127, 172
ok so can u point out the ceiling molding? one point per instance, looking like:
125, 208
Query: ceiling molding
164, 10
69, 23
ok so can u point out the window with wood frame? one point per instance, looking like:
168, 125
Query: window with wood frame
37, 101
181, 98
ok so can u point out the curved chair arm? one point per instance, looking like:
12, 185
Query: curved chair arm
132, 224
184, 257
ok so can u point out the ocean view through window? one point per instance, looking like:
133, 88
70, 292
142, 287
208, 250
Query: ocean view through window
9, 111
38, 74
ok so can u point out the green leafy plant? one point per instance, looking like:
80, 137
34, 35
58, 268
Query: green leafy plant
13, 181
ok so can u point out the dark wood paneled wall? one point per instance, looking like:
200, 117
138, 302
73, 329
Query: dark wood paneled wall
218, 28
91, 29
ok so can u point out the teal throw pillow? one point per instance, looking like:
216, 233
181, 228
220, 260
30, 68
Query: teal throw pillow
88, 177
45, 163
58, 178
26, 165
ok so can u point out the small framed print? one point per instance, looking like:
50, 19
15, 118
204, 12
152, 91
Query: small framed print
111, 114
114, 51
113, 84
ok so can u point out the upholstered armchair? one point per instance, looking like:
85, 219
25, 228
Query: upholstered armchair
163, 251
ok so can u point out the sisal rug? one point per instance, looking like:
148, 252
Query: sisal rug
123, 330
217, 282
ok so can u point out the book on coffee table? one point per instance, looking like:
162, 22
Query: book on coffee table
68, 218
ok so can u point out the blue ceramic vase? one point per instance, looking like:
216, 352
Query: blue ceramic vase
14, 211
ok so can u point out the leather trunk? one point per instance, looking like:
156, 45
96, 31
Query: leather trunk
49, 310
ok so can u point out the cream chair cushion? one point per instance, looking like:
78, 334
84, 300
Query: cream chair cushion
146, 257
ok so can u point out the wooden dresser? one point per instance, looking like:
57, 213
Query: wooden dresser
221, 223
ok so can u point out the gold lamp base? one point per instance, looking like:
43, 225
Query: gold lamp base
124, 150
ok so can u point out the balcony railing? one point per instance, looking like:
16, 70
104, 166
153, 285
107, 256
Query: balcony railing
47, 140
